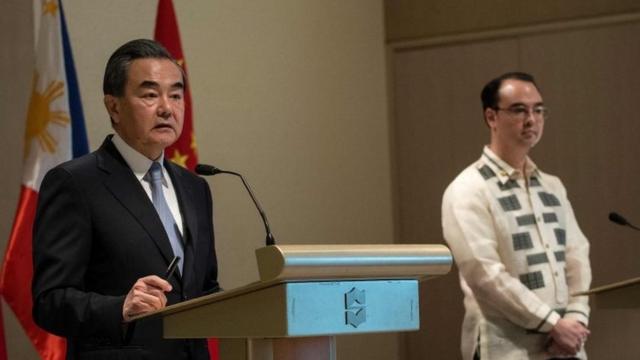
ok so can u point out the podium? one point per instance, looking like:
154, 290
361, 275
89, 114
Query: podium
308, 294
619, 295
617, 321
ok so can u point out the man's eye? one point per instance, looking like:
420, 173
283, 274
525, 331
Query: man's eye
149, 95
519, 110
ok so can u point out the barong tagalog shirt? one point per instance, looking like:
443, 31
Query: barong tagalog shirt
520, 254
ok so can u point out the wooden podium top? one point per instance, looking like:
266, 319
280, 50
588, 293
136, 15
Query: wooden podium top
609, 287
619, 295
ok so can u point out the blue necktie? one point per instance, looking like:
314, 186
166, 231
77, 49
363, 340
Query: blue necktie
159, 202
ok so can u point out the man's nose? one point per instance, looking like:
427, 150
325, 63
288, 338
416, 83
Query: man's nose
529, 121
530, 117
530, 114
164, 107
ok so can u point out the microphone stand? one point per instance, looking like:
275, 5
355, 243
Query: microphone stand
209, 170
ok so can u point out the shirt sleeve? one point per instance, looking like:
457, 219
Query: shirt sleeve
468, 226
578, 267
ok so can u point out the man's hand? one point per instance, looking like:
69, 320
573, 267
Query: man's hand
567, 337
146, 295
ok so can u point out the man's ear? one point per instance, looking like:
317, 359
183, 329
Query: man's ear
112, 104
490, 117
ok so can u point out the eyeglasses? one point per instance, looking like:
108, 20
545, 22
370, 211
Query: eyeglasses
522, 112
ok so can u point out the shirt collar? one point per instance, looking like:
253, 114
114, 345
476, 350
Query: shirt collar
503, 170
137, 162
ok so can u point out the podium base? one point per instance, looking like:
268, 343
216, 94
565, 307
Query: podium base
299, 348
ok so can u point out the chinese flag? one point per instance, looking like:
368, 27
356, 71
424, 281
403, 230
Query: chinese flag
54, 133
183, 151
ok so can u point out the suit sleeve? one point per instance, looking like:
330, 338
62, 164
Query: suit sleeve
62, 245
211, 279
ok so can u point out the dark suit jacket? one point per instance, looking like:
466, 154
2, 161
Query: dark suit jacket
96, 232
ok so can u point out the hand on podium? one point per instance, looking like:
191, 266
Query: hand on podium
147, 294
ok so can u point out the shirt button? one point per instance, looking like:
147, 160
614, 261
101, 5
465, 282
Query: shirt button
555, 273
546, 245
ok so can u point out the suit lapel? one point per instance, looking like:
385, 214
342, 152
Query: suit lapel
125, 187
189, 217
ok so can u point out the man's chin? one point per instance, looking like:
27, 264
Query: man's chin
165, 140
531, 137
533, 141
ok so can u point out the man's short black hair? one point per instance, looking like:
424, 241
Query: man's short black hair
489, 94
115, 74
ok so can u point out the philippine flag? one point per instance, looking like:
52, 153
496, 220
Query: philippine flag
54, 133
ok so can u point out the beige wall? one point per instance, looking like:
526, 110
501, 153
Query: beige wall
290, 93
589, 79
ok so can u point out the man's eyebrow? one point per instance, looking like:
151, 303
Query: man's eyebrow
178, 85
149, 84
517, 104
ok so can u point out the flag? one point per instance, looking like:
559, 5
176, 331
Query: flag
54, 133
183, 151
3, 345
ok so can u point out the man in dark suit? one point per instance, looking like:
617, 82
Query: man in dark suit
109, 223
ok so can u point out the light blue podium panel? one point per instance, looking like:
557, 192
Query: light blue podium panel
302, 309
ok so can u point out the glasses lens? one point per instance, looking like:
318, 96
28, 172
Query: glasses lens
522, 112
541, 112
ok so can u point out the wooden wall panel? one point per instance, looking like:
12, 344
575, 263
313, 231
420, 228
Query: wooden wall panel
419, 19
589, 81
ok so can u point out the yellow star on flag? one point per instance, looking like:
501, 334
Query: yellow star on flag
40, 116
193, 142
50, 7
179, 158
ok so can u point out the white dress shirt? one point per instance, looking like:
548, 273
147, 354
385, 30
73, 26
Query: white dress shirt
140, 165
520, 254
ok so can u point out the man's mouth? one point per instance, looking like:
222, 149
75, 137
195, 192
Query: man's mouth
163, 126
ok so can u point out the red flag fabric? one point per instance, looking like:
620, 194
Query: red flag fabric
3, 345
54, 133
183, 151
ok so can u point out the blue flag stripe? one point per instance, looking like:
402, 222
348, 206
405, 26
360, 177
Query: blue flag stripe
79, 145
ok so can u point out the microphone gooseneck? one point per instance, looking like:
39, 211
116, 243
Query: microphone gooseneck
210, 170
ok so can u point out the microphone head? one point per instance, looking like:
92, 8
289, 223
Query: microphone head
204, 169
617, 218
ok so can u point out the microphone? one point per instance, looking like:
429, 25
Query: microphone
210, 170
620, 220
